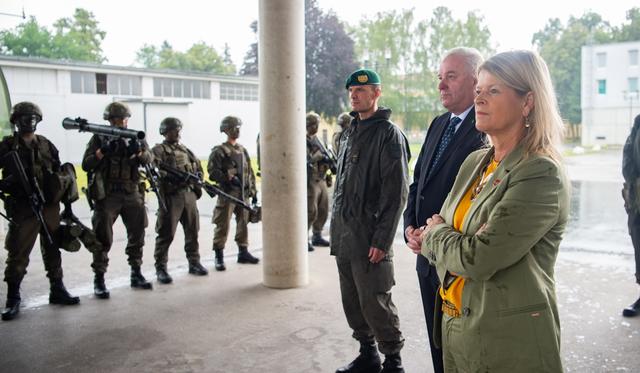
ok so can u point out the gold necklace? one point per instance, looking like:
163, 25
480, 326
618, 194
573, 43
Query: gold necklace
484, 178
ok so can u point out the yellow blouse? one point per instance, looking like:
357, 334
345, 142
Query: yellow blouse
451, 289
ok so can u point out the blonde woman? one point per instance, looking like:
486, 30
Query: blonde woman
496, 239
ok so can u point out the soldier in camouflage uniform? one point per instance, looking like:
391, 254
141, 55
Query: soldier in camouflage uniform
631, 195
318, 182
344, 120
230, 167
116, 189
40, 160
180, 198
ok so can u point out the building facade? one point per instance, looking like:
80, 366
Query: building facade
610, 96
77, 89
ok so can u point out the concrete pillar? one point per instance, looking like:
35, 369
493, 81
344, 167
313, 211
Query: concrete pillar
282, 143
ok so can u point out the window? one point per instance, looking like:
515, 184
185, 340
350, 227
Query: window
633, 57
238, 92
112, 84
633, 84
163, 87
101, 84
602, 87
83, 82
602, 59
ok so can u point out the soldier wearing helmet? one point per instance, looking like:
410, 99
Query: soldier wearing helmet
40, 160
180, 198
230, 167
116, 189
344, 120
319, 163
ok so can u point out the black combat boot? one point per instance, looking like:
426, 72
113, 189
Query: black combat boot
138, 281
392, 364
245, 257
162, 275
632, 310
195, 268
60, 295
220, 260
13, 301
99, 288
310, 247
367, 362
317, 240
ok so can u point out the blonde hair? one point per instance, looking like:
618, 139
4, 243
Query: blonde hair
525, 71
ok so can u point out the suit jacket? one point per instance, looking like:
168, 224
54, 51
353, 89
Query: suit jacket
509, 313
427, 193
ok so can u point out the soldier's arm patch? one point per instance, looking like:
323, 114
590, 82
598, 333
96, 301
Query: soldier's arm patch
395, 151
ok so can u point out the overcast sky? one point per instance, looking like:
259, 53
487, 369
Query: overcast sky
130, 24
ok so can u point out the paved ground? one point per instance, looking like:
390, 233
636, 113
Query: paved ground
230, 322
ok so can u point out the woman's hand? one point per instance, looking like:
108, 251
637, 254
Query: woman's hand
431, 222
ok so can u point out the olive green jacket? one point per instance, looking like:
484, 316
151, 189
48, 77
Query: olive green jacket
506, 252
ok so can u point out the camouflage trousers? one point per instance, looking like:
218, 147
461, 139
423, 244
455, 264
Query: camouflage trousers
222, 214
317, 204
367, 304
130, 207
22, 236
181, 208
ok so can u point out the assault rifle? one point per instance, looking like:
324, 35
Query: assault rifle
82, 125
328, 156
153, 176
34, 193
196, 179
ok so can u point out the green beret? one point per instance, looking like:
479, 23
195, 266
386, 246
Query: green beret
363, 77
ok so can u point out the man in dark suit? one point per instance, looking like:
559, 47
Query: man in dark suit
450, 139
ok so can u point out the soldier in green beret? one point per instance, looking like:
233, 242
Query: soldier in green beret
371, 189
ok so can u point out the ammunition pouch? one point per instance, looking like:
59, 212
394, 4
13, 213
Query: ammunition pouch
96, 186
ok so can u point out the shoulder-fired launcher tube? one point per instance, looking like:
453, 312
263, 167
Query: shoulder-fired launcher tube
99, 129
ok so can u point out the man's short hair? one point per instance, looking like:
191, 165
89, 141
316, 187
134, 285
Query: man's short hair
472, 57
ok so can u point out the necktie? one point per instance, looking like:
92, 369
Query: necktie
447, 136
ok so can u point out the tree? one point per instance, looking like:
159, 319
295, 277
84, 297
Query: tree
250, 64
561, 47
329, 59
407, 53
77, 38
199, 57
630, 31
29, 39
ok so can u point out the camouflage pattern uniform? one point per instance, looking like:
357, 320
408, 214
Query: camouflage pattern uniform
41, 162
226, 161
117, 190
181, 203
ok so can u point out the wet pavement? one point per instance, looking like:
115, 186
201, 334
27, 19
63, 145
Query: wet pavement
230, 322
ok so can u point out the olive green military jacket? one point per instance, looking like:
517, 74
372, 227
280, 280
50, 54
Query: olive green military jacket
372, 185
506, 252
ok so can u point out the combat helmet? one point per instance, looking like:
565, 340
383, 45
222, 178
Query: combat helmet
344, 119
170, 123
25, 108
229, 122
313, 119
116, 110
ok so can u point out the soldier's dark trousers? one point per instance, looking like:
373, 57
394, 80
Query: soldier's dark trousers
221, 217
181, 208
366, 299
22, 236
317, 204
634, 231
129, 206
